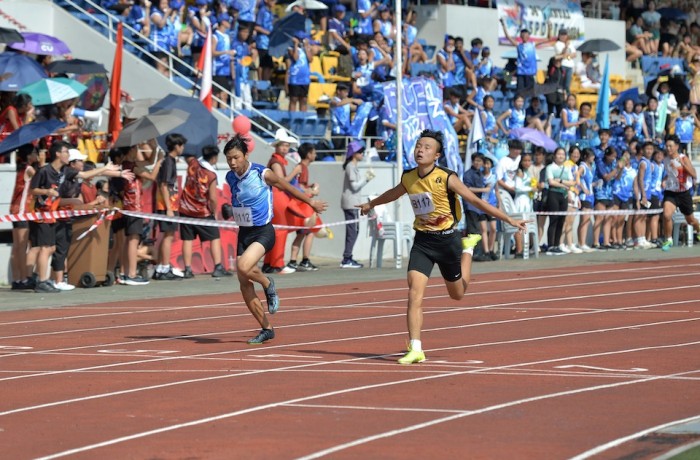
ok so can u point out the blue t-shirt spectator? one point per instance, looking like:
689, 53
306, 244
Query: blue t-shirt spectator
264, 19
527, 59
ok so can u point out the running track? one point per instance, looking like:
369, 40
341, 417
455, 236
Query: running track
591, 361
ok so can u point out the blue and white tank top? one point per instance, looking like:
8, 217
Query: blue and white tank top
340, 118
222, 62
364, 25
569, 134
490, 123
684, 129
623, 187
527, 59
446, 77
657, 177
587, 181
251, 197
299, 71
516, 118
648, 177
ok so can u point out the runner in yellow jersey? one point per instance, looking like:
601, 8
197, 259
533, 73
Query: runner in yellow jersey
433, 193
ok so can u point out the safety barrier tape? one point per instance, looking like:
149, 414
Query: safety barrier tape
600, 212
32, 216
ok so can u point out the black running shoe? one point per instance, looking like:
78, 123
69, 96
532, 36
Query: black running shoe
167, 276
307, 266
46, 287
263, 336
187, 273
220, 272
273, 300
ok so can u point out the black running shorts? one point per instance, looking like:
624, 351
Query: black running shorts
443, 250
264, 235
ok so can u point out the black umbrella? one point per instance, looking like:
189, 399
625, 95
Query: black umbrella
200, 127
282, 33
540, 90
76, 66
10, 35
598, 45
677, 85
150, 127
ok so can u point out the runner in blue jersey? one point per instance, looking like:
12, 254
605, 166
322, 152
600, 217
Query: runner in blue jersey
251, 207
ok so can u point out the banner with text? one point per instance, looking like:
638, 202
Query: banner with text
422, 109
543, 18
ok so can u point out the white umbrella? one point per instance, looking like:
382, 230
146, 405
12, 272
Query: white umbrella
307, 5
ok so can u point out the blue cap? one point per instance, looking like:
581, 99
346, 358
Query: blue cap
382, 7
176, 4
339, 8
224, 17
202, 2
485, 49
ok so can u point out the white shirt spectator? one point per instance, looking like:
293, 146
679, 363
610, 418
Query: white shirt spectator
559, 48
506, 169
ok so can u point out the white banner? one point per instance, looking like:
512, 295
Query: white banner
543, 18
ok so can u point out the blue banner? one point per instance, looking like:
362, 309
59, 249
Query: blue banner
422, 109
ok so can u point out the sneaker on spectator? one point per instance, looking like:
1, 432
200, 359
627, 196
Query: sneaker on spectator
63, 286
187, 273
554, 251
267, 269
350, 263
493, 255
586, 248
285, 270
293, 264
135, 281
482, 258
307, 266
575, 249
564, 249
167, 276
21, 285
177, 272
46, 287
219, 272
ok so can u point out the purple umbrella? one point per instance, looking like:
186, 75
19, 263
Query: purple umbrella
43, 44
535, 137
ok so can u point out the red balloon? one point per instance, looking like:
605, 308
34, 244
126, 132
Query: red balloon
241, 125
250, 141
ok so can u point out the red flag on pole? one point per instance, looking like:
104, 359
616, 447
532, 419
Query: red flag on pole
115, 90
205, 65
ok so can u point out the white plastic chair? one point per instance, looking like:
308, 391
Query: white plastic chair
381, 230
505, 235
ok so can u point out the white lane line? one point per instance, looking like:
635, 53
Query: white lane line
681, 269
407, 429
249, 372
382, 385
385, 334
617, 442
376, 302
387, 409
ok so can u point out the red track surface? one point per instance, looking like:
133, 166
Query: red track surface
539, 364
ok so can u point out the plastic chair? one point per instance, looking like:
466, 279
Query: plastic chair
381, 231
320, 94
330, 67
678, 221
507, 231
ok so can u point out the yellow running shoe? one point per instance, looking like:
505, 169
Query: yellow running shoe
412, 357
470, 241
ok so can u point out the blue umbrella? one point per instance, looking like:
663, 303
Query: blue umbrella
28, 133
18, 71
282, 33
200, 128
673, 14
632, 93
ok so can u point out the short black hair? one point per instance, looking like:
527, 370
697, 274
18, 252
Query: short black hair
604, 131
477, 155
305, 149
673, 138
89, 165
173, 140
610, 150
515, 144
209, 152
437, 135
237, 142
57, 147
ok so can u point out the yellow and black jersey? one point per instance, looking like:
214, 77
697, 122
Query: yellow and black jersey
436, 208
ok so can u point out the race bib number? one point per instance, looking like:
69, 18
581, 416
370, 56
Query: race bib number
422, 203
243, 217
